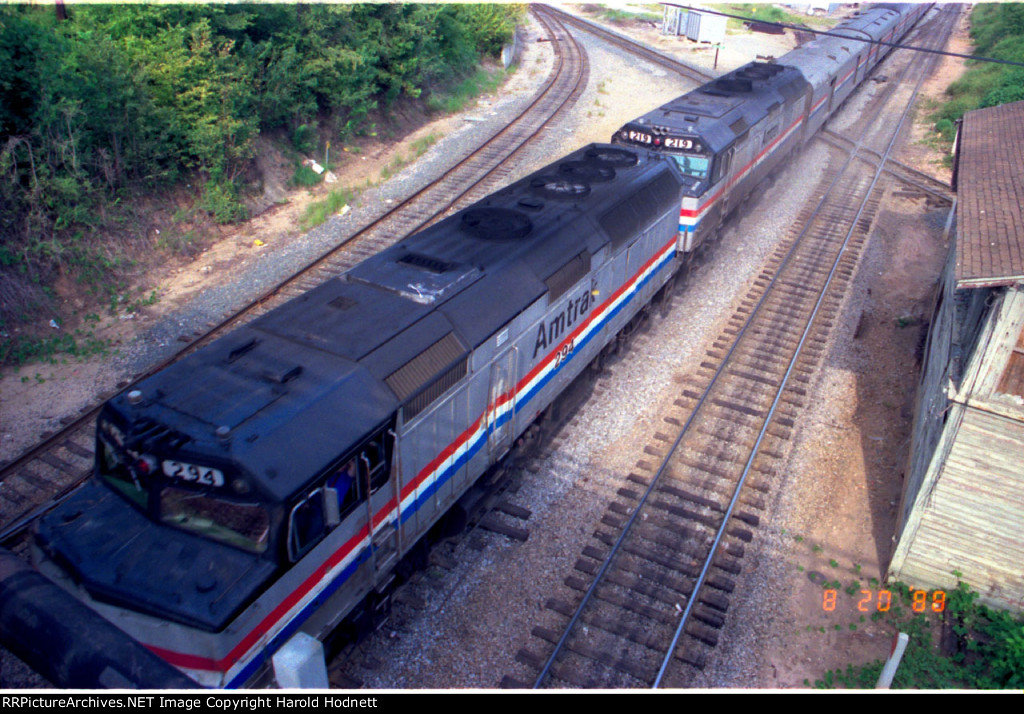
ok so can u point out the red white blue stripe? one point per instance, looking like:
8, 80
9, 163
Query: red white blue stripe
245, 659
690, 218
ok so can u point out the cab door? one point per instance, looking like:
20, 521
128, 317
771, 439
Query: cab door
375, 474
723, 173
501, 405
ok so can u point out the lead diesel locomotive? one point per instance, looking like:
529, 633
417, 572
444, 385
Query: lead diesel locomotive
271, 482
730, 134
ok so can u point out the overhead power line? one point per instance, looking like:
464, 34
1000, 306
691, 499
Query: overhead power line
897, 45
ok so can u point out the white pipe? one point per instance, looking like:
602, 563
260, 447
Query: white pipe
899, 645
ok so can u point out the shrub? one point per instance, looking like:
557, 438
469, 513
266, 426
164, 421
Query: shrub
220, 199
304, 139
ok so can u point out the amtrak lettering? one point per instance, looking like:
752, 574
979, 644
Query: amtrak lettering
571, 313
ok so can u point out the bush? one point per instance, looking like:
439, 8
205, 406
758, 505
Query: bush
221, 201
946, 128
121, 100
304, 139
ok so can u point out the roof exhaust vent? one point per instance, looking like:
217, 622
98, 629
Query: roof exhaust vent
496, 223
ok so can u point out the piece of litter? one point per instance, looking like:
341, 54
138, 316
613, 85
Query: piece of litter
54, 325
257, 243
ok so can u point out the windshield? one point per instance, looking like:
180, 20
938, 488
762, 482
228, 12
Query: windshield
116, 472
696, 166
243, 525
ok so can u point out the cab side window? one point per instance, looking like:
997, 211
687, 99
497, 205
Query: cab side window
345, 481
375, 461
307, 525
345, 489
722, 165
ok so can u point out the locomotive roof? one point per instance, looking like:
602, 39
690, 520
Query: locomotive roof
723, 109
307, 381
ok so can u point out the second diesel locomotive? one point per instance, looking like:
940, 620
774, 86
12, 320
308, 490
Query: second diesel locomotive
730, 134
272, 482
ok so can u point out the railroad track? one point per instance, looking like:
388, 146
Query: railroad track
915, 181
661, 59
51, 470
654, 586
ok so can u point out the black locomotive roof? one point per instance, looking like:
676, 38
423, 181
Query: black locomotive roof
202, 583
723, 110
304, 383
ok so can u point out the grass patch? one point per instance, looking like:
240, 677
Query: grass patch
306, 177
319, 211
478, 83
142, 301
762, 13
187, 243
997, 31
420, 146
621, 17
19, 350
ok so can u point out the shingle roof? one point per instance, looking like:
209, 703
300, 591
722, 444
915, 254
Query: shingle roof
990, 240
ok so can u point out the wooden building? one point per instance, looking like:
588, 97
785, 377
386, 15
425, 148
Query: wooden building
963, 498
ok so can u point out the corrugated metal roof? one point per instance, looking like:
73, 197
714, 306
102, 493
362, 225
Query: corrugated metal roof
990, 179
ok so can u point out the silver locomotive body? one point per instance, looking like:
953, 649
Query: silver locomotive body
272, 482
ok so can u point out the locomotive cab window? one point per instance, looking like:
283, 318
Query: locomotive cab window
696, 166
376, 464
243, 525
344, 486
722, 165
347, 486
307, 525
